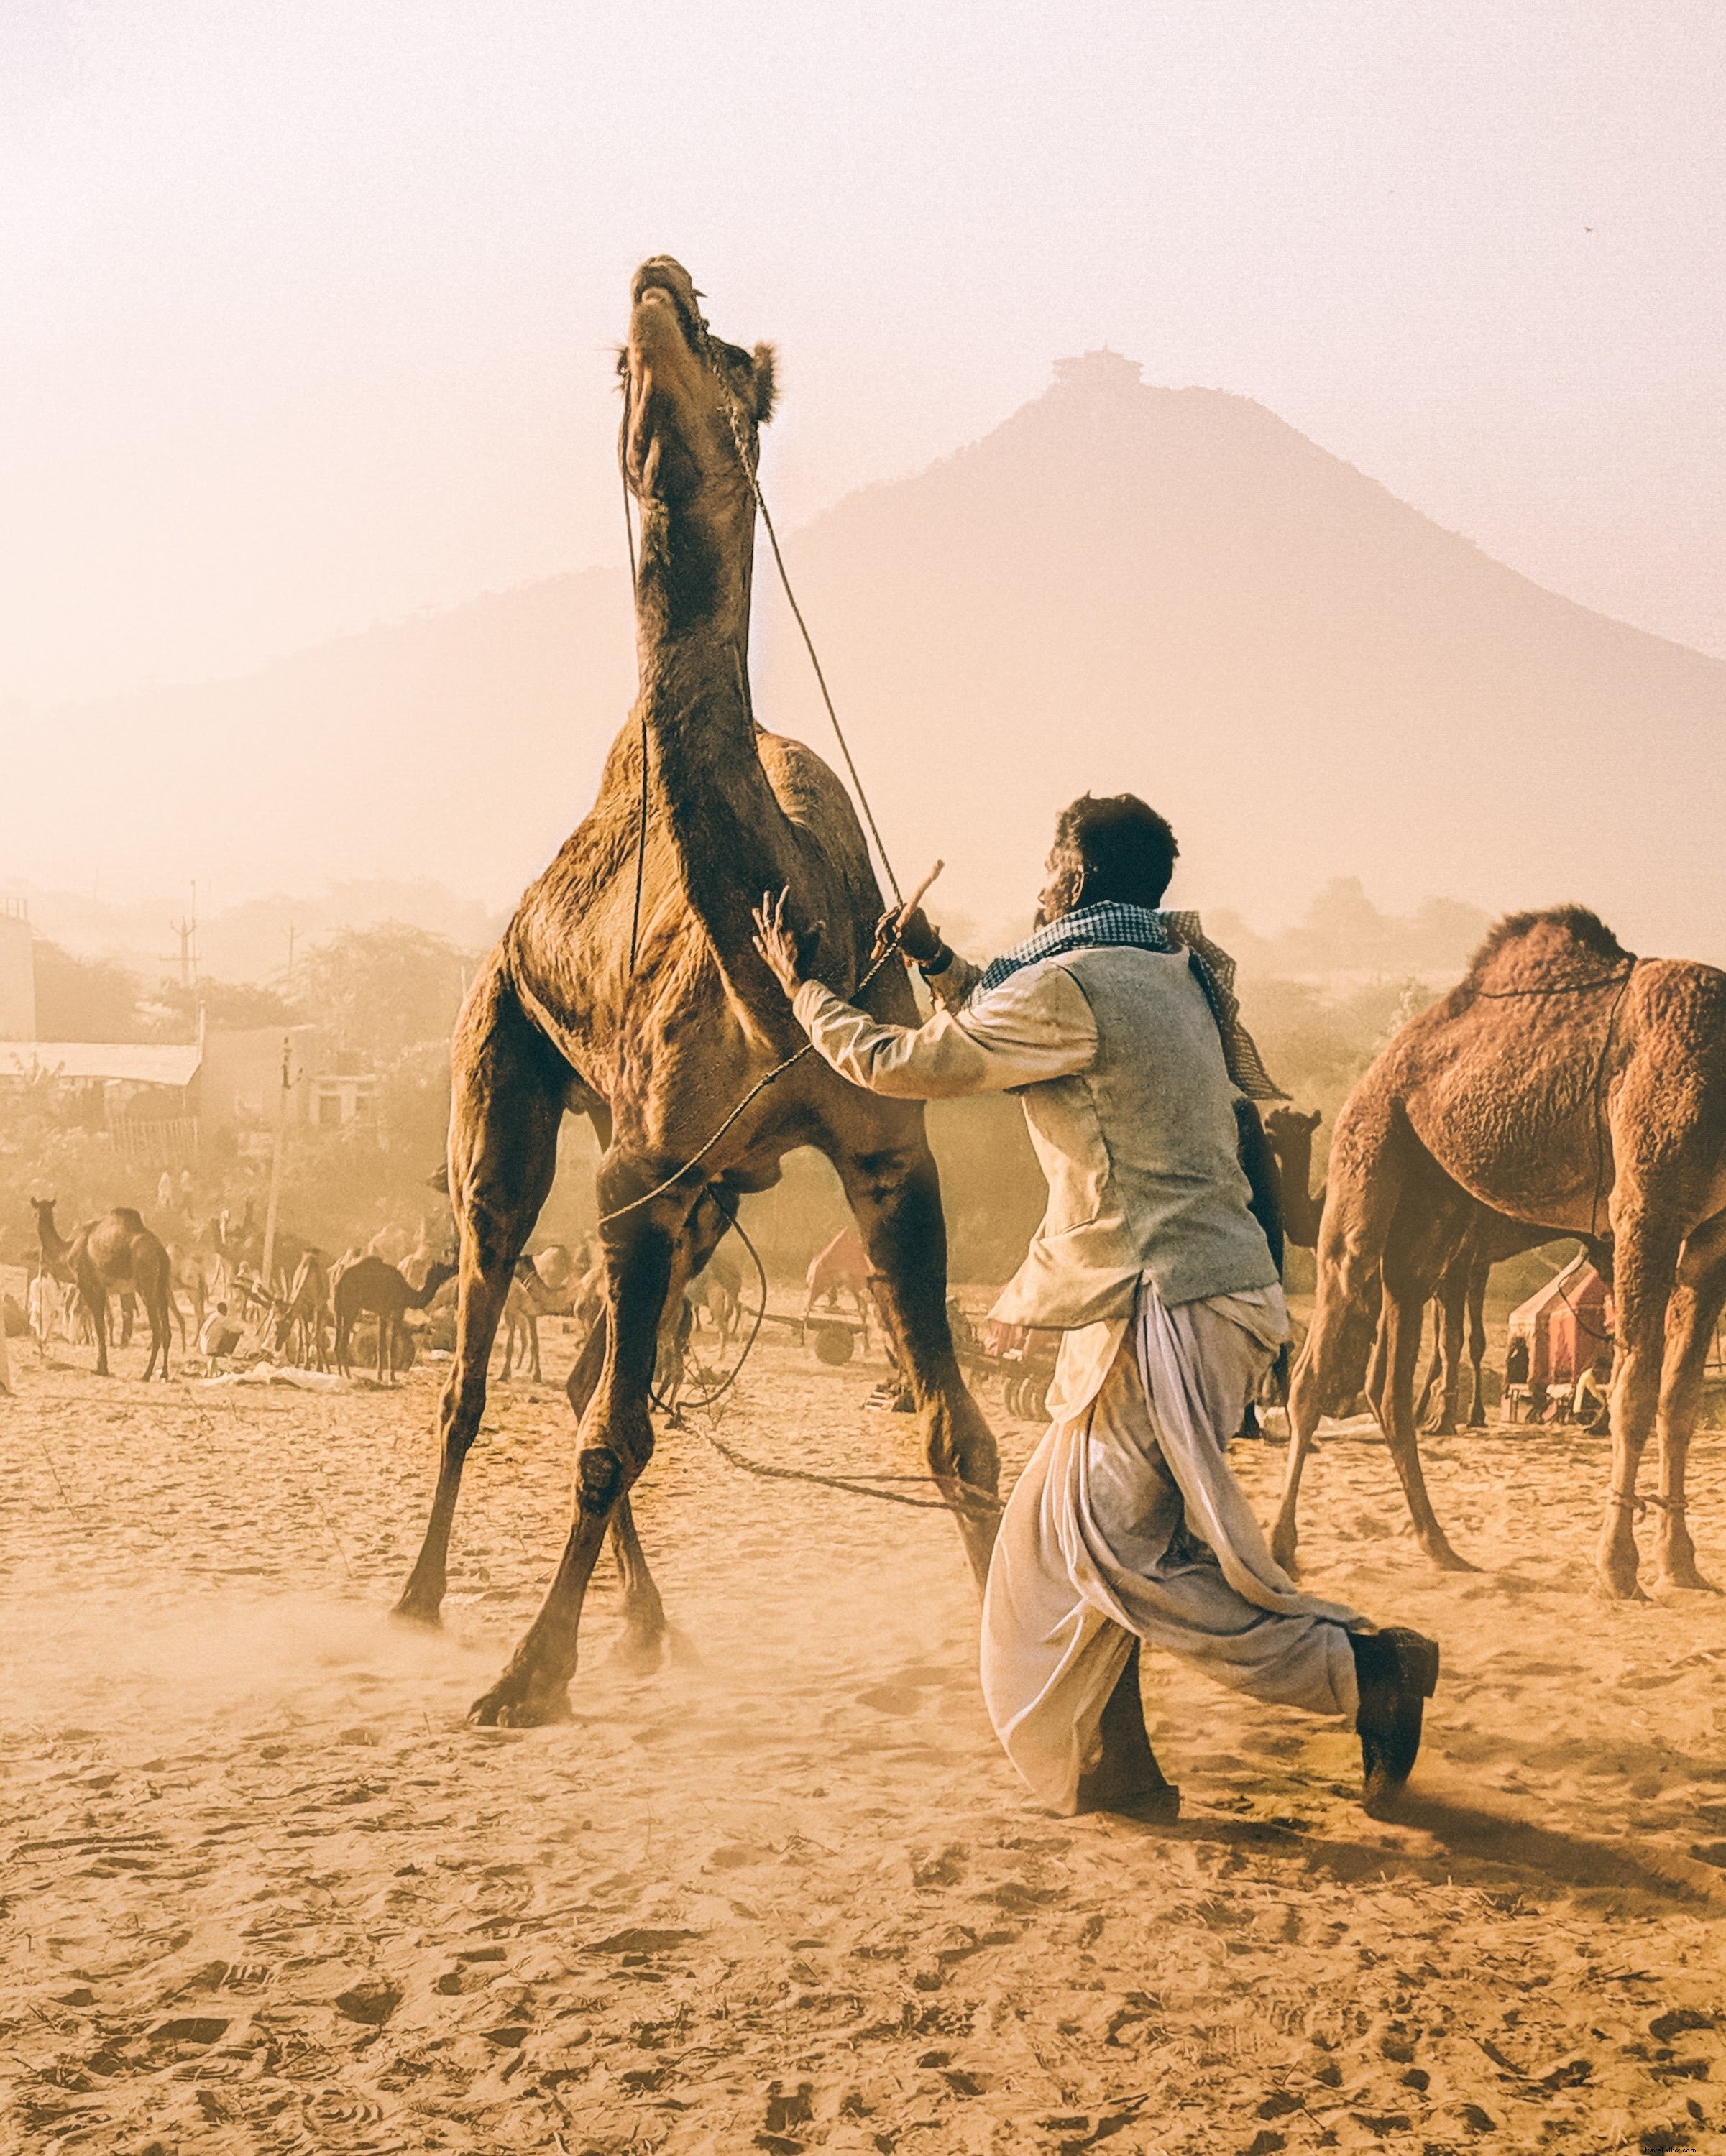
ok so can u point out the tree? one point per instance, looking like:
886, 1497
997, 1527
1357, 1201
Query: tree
83, 998
384, 989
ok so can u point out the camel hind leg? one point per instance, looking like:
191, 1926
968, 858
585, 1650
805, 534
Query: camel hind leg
642, 1644
1694, 1313
894, 1192
508, 1090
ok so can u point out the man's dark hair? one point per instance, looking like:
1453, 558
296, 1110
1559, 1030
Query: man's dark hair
1126, 850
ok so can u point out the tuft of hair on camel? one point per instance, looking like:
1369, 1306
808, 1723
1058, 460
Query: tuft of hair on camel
1564, 1087
628, 988
117, 1254
371, 1288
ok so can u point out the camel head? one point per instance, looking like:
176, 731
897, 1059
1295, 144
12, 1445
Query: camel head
43, 1208
692, 404
1288, 1127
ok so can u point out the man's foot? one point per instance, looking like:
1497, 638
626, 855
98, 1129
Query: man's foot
1126, 1778
1397, 1670
1157, 1802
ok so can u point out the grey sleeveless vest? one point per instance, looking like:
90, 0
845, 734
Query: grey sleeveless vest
1139, 1152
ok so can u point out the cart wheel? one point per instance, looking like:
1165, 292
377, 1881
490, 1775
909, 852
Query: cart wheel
832, 1343
1015, 1396
1036, 1400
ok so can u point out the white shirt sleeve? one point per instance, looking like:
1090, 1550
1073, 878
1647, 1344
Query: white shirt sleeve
1035, 1026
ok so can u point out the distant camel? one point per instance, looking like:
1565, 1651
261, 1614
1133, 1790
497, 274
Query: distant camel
718, 1293
370, 1286
307, 1313
115, 1253
528, 1301
841, 1268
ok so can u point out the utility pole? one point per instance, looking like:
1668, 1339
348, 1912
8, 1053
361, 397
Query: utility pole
275, 1168
185, 928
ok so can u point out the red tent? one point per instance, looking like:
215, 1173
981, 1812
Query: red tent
1566, 1324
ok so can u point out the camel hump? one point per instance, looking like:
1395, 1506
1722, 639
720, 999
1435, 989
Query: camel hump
130, 1218
1565, 941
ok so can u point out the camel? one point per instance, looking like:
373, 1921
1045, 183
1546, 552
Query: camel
1577, 1090
528, 1301
841, 1268
628, 988
1459, 1303
307, 1312
370, 1286
1289, 1134
718, 1297
117, 1252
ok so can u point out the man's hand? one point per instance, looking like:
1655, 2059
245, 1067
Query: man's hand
914, 935
775, 941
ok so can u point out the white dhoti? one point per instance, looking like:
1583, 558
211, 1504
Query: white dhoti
1128, 1522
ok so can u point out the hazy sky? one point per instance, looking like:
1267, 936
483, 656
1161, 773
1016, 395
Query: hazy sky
307, 310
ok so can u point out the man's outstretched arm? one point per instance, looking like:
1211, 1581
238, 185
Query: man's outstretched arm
1037, 1026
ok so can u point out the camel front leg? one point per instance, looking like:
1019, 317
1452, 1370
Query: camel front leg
1449, 1317
1404, 1313
1479, 1277
616, 1445
895, 1196
1329, 1372
94, 1296
1645, 1269
1694, 1313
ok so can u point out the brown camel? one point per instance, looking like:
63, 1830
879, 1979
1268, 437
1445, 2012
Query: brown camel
657, 1021
1576, 1089
369, 1285
528, 1301
115, 1255
307, 1313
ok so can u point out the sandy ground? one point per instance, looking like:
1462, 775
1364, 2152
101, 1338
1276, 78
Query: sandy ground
263, 1890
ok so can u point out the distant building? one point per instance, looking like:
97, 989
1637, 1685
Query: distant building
160, 1100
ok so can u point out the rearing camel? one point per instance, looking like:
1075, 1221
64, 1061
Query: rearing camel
657, 1037
1579, 1091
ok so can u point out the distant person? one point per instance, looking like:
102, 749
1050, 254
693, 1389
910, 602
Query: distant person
165, 1192
1516, 1362
1591, 1404
1117, 1025
48, 1308
220, 1334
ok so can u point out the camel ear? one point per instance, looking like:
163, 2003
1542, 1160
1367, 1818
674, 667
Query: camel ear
764, 382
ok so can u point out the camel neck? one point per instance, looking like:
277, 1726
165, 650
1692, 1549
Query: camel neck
692, 598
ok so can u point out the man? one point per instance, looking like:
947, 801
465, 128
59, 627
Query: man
1118, 1026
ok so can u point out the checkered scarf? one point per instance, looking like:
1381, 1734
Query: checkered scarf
1147, 928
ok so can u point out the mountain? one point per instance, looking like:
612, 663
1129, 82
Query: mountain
1121, 586
1172, 591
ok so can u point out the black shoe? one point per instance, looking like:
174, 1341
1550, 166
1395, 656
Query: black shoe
1397, 1670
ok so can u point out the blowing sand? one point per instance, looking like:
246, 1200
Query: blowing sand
264, 1891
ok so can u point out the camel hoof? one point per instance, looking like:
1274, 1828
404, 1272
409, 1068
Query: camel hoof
640, 1653
509, 1706
1446, 1559
1687, 1576
424, 1615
